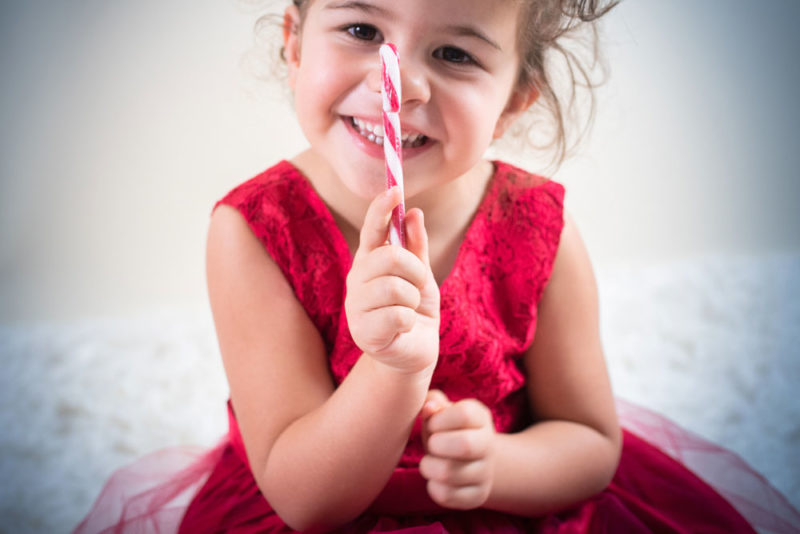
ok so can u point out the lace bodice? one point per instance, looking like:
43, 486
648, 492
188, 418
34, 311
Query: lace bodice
488, 301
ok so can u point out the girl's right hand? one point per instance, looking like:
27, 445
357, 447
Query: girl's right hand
392, 301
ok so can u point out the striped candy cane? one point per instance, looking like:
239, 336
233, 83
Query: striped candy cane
392, 142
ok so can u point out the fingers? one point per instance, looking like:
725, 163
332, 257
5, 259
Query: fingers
435, 402
468, 413
417, 242
392, 301
452, 472
458, 497
460, 431
459, 446
416, 236
385, 325
375, 229
394, 261
390, 291
467, 445
387, 277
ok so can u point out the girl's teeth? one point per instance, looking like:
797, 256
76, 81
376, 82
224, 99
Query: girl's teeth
417, 140
366, 128
374, 133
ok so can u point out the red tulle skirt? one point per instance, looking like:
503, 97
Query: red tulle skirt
673, 481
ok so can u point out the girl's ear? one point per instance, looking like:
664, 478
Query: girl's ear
521, 99
291, 41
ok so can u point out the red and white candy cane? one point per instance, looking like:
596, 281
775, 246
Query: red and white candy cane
392, 138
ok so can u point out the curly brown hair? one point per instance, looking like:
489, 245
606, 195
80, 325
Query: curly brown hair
558, 39
562, 32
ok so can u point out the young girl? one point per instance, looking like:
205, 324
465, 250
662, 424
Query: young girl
457, 385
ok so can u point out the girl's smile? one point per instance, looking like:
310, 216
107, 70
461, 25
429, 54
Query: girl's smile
374, 132
368, 136
459, 65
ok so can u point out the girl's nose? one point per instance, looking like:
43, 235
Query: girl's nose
414, 84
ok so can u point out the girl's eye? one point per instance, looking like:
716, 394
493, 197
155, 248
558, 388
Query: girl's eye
453, 55
363, 32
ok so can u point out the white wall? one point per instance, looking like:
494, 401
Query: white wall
124, 121
697, 144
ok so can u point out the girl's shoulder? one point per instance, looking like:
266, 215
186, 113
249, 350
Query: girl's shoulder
269, 189
292, 224
518, 180
283, 210
517, 194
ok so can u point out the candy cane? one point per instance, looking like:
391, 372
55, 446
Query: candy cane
392, 141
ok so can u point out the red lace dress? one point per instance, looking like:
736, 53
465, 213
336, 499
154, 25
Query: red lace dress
488, 318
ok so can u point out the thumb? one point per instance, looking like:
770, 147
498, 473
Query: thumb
375, 229
435, 402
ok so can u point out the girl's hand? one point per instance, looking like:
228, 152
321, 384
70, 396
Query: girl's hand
392, 302
459, 446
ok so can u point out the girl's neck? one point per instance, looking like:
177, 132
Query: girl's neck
448, 208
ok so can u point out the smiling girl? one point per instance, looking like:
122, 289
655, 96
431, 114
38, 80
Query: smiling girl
458, 385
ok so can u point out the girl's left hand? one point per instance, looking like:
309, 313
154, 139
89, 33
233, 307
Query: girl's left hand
459, 451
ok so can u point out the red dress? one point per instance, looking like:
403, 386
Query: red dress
488, 319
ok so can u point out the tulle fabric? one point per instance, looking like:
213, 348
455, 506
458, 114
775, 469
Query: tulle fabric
183, 490
744, 488
151, 495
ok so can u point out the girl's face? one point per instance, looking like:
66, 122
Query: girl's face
458, 61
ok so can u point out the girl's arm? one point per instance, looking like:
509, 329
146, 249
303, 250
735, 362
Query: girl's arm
320, 455
572, 451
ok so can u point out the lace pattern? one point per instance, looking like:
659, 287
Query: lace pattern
488, 302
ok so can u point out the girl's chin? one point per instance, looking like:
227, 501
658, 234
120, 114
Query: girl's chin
368, 191
364, 184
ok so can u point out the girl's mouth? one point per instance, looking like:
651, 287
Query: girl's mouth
374, 133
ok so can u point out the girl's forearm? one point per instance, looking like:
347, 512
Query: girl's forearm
329, 465
550, 466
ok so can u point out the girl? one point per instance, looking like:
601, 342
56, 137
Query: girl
457, 385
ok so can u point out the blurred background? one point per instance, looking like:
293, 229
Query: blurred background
123, 123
